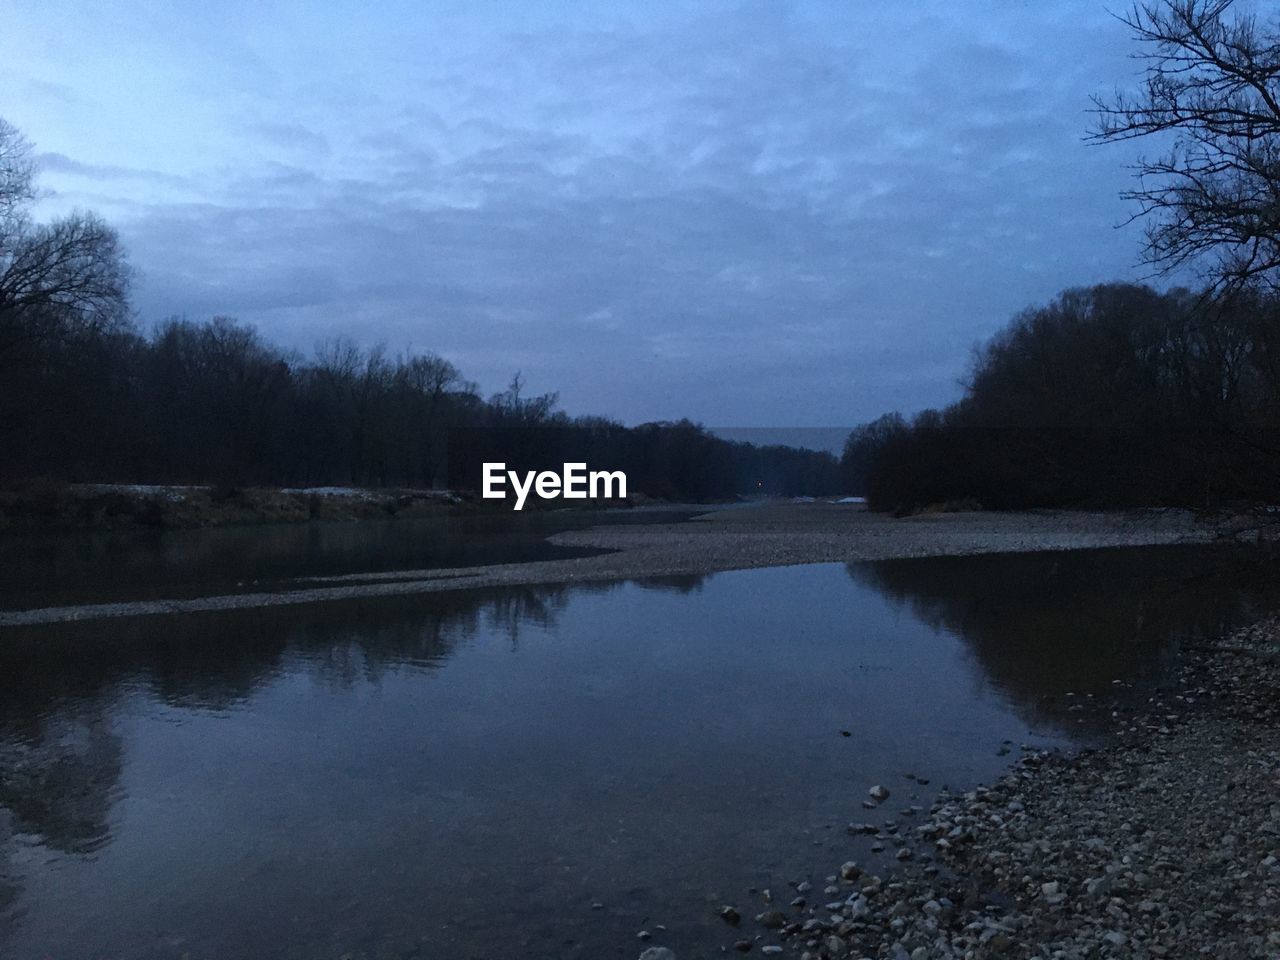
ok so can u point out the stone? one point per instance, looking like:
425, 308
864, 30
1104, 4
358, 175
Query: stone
773, 919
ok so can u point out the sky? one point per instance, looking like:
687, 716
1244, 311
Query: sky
748, 213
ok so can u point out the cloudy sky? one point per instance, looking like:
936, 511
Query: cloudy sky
758, 213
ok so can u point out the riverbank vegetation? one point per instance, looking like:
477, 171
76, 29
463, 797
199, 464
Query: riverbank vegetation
214, 402
87, 395
1111, 396
1118, 395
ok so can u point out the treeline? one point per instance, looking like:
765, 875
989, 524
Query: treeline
1116, 395
213, 401
86, 396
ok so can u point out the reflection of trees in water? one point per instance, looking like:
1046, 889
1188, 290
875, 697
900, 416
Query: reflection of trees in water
60, 760
59, 774
681, 583
514, 608
542, 605
1040, 625
58, 777
216, 660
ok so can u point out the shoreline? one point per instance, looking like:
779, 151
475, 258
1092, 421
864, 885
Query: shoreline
1161, 842
48, 507
766, 535
1164, 842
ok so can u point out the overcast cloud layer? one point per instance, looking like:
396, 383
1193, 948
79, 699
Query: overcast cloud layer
752, 214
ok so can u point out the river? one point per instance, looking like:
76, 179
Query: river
539, 771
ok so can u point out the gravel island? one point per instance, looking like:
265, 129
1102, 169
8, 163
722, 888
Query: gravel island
739, 537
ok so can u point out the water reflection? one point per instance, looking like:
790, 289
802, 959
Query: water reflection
59, 775
469, 772
57, 778
215, 661
1043, 626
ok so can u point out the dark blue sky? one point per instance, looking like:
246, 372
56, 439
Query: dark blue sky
747, 213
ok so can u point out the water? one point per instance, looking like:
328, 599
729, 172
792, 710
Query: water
466, 774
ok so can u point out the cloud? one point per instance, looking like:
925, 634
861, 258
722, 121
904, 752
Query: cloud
59, 163
292, 136
740, 213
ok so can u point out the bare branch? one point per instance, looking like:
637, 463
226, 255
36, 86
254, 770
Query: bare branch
1213, 84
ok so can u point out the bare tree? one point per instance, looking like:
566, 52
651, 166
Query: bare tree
56, 279
17, 183
1212, 83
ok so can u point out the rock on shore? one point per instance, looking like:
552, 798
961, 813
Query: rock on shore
1163, 844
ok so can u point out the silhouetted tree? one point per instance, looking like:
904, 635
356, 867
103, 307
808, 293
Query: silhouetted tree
85, 396
1111, 395
1213, 82
864, 447
56, 279
63, 307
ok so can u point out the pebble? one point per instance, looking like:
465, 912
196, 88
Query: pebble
1157, 844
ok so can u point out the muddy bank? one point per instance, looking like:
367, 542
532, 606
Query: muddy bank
1163, 843
726, 539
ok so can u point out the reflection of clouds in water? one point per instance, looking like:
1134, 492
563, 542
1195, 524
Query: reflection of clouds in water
60, 760
1042, 625
343, 758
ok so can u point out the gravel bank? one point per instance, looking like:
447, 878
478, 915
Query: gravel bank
1163, 844
781, 534
725, 539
